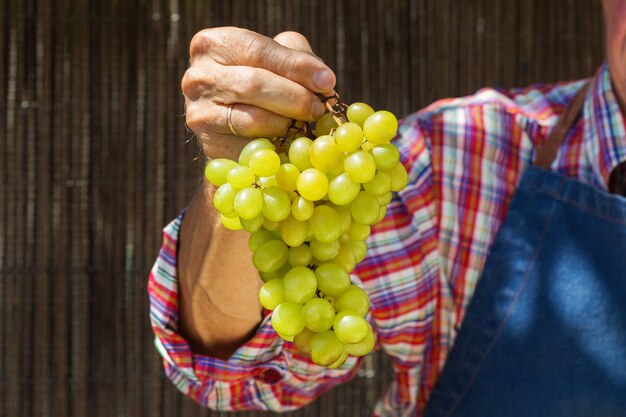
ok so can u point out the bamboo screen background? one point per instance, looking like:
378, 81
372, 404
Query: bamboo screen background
95, 160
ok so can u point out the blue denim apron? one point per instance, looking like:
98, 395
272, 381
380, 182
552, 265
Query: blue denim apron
545, 333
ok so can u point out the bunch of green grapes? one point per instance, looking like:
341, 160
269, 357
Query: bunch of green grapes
309, 209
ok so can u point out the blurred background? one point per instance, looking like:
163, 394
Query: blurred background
95, 159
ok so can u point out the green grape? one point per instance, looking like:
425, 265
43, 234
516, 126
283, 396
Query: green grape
252, 147
216, 170
271, 225
301, 208
350, 327
312, 184
360, 166
285, 338
310, 236
287, 177
270, 256
324, 251
326, 348
344, 238
224, 199
271, 294
384, 199
299, 284
240, 177
324, 153
340, 361
381, 216
276, 204
364, 347
319, 315
299, 153
365, 208
354, 299
359, 112
399, 177
367, 146
345, 259
325, 224
293, 231
302, 341
359, 231
324, 125
267, 182
287, 319
348, 137
380, 127
385, 155
232, 223
258, 238
359, 248
254, 224
356, 288
331, 279
248, 203
342, 190
279, 274
300, 256
330, 299
379, 185
264, 162
345, 217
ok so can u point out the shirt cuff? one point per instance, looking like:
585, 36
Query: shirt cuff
264, 373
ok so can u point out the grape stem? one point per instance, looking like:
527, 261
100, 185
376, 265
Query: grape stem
334, 106
337, 108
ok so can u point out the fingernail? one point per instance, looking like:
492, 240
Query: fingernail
323, 80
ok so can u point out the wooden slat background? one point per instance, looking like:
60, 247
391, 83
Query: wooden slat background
95, 160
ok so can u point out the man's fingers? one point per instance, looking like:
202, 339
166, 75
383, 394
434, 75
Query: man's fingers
294, 40
255, 86
248, 121
297, 41
233, 46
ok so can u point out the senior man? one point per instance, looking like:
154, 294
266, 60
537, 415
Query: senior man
497, 279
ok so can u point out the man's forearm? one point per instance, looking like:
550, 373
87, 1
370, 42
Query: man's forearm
218, 285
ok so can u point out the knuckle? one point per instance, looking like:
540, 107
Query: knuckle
189, 82
292, 39
251, 84
202, 42
197, 120
193, 121
197, 81
255, 50
290, 64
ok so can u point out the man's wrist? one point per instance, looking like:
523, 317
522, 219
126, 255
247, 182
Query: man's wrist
218, 285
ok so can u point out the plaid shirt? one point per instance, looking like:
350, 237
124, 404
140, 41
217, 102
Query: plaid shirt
464, 157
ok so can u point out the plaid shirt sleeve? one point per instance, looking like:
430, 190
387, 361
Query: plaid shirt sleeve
265, 373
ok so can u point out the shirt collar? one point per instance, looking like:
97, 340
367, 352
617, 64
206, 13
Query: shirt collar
604, 133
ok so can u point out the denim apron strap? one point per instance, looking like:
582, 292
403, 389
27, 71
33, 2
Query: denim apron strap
545, 333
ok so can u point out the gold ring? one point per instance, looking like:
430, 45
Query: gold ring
229, 121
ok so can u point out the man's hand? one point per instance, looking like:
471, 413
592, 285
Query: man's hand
268, 83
